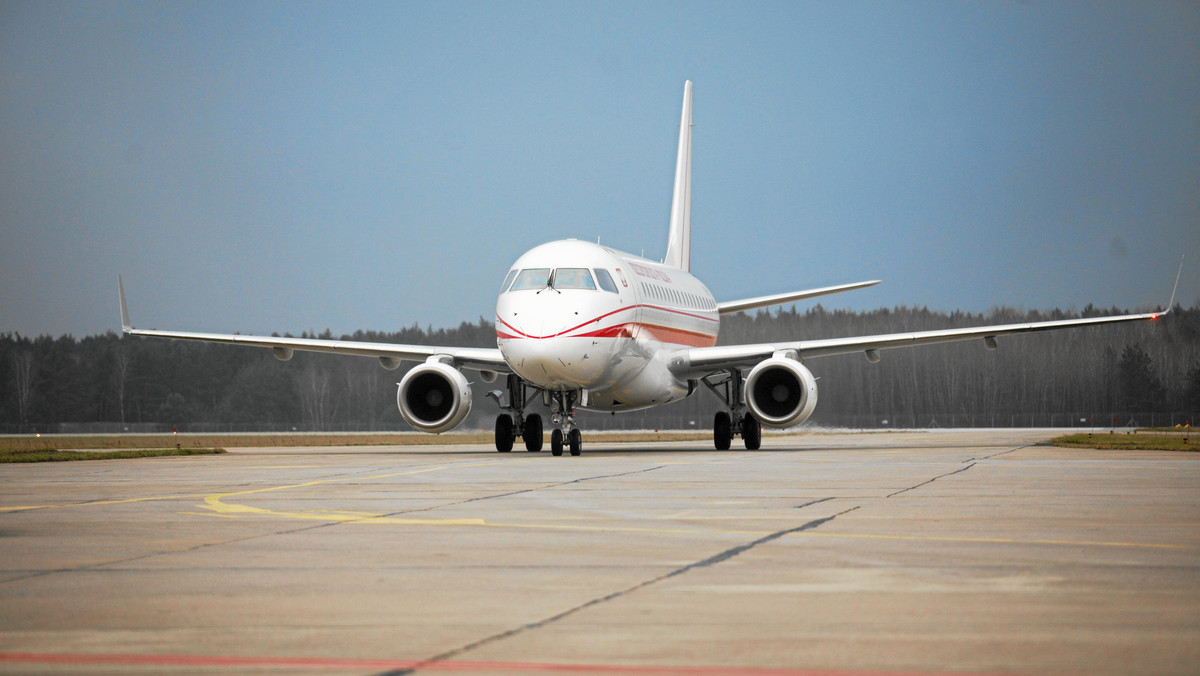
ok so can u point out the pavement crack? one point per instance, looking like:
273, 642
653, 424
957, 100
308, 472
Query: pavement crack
957, 471
814, 502
704, 563
994, 455
150, 555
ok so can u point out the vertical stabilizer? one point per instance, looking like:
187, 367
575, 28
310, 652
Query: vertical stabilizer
679, 241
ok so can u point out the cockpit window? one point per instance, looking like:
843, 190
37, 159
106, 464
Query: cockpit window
573, 278
605, 280
508, 280
533, 278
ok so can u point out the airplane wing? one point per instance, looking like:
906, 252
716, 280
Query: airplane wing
389, 354
700, 361
731, 306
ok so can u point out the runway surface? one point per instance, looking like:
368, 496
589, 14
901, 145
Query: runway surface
921, 553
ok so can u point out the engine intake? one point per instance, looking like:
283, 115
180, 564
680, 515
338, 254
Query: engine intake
434, 397
781, 392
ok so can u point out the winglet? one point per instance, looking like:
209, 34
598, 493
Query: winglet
679, 238
1171, 303
126, 325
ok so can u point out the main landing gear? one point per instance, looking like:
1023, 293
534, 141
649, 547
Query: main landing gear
733, 422
517, 424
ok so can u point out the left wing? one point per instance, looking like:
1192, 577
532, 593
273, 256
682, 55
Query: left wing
389, 354
700, 361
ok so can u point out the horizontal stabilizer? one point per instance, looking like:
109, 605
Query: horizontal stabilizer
732, 306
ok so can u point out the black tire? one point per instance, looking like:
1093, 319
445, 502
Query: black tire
722, 431
533, 433
504, 433
556, 442
575, 440
751, 432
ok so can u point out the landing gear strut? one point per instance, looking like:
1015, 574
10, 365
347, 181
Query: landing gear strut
733, 422
562, 410
517, 424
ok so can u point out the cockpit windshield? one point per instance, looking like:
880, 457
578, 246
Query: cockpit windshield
573, 278
561, 279
532, 278
507, 280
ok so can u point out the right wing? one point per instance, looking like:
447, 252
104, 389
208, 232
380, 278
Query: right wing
700, 361
697, 362
389, 354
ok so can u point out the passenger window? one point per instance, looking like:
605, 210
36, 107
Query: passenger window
573, 278
605, 281
533, 278
508, 280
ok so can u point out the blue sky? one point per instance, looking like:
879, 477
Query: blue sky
264, 166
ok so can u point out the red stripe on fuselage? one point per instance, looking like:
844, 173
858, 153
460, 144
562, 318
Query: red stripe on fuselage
521, 334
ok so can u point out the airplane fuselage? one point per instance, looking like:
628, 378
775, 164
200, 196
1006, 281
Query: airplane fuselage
579, 316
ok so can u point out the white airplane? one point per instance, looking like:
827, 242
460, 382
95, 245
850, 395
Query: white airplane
583, 326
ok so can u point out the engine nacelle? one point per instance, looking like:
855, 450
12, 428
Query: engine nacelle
434, 397
781, 392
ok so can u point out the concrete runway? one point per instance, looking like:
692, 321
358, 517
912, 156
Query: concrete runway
917, 553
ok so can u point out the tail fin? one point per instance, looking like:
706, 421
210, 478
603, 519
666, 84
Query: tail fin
679, 241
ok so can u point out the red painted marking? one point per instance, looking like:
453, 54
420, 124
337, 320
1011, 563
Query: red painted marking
663, 334
674, 336
593, 320
508, 667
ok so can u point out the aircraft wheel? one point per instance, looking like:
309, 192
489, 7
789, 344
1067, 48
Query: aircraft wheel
751, 432
575, 440
556, 442
533, 433
504, 433
722, 431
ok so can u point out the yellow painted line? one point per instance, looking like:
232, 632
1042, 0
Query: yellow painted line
217, 504
192, 496
218, 507
390, 520
100, 502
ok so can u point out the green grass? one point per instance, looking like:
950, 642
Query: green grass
1129, 442
55, 455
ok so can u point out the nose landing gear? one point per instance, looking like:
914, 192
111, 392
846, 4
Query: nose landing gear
562, 409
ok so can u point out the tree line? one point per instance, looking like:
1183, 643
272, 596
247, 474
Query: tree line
1139, 373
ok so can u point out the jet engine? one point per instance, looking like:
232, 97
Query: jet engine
781, 392
434, 397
